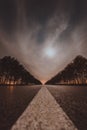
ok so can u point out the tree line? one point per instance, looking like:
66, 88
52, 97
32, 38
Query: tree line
12, 72
74, 73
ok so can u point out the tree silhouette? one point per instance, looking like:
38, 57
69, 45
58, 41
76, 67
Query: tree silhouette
74, 73
12, 72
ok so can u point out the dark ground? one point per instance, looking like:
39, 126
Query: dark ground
13, 101
73, 100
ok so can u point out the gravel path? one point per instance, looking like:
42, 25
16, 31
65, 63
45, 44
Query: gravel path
44, 113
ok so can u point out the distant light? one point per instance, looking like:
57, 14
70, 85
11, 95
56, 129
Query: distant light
43, 82
50, 52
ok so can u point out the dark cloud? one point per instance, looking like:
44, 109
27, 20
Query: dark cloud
8, 14
40, 10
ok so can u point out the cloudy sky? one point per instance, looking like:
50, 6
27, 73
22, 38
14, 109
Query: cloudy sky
44, 35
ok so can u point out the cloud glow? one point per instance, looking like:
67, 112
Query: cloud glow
50, 52
41, 39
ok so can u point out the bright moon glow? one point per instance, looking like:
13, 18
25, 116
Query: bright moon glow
50, 52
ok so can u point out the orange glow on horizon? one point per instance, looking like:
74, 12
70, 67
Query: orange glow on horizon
43, 81
10, 83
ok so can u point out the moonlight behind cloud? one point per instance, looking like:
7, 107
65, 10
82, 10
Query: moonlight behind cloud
44, 35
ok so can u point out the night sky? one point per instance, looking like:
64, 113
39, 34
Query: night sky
44, 35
